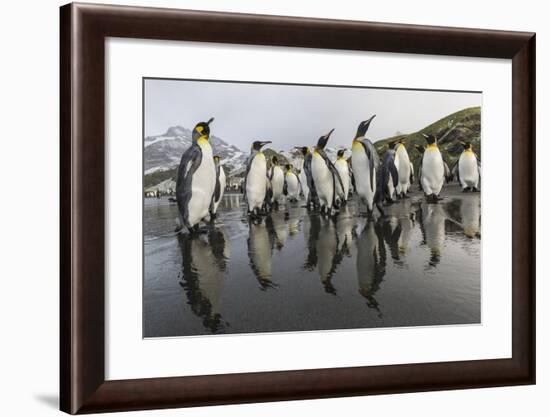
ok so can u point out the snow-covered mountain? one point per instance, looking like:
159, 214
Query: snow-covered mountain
163, 152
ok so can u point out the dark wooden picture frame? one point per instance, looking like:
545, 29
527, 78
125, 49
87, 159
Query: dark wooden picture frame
84, 29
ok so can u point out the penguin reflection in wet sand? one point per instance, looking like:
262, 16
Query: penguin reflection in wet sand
433, 169
196, 179
220, 186
325, 176
467, 169
256, 178
342, 167
365, 162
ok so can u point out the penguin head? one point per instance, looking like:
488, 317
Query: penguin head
466, 145
202, 129
431, 139
322, 142
288, 168
340, 153
363, 127
258, 144
303, 149
275, 160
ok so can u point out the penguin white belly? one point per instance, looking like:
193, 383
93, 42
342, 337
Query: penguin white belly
433, 172
277, 182
256, 182
467, 170
223, 183
361, 172
403, 165
322, 177
203, 184
342, 168
293, 186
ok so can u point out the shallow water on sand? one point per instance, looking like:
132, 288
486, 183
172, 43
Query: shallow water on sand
417, 265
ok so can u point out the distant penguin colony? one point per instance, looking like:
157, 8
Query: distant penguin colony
308, 174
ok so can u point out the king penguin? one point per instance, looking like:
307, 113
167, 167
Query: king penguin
292, 184
277, 179
387, 179
342, 167
433, 169
220, 185
325, 176
310, 193
256, 178
403, 165
365, 162
468, 169
196, 179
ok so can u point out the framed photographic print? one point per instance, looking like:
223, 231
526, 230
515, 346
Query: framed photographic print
263, 208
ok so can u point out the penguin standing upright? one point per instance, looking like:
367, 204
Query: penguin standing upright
467, 169
196, 179
433, 169
325, 176
304, 188
365, 162
292, 184
312, 200
342, 167
256, 178
220, 185
277, 178
387, 179
403, 165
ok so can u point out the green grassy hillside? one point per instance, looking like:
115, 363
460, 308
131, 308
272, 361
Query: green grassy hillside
464, 125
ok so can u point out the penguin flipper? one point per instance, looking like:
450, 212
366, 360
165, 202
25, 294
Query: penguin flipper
217, 188
190, 161
393, 172
309, 178
248, 165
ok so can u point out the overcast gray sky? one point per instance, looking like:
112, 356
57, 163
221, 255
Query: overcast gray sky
291, 115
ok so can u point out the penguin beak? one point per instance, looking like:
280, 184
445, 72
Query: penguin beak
329, 133
210, 121
263, 143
